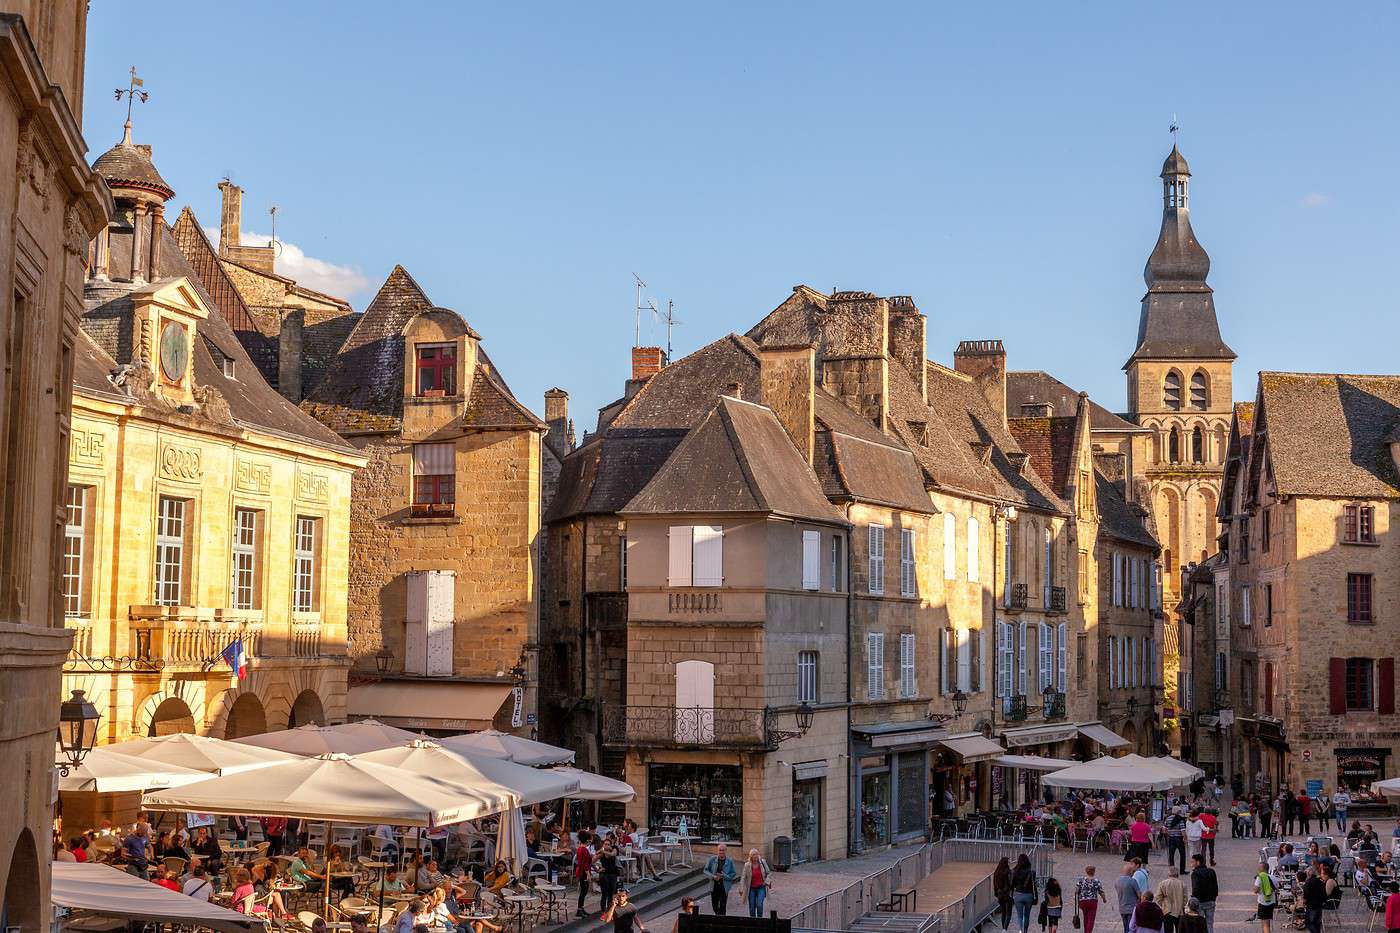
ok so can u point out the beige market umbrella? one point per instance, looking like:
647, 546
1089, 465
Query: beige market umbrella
1114, 774
596, 787
496, 744
519, 786
351, 738
106, 770
201, 753
1387, 787
1187, 772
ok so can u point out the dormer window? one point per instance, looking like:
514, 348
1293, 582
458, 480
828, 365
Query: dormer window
229, 368
437, 370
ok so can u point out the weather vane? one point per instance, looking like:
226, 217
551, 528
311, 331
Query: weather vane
1175, 130
132, 95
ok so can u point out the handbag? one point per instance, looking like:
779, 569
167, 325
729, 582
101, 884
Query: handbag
1078, 895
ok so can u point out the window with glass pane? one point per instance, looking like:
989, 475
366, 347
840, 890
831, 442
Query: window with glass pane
1360, 684
806, 677
1368, 523
246, 574
75, 567
434, 479
437, 370
304, 569
1359, 597
170, 551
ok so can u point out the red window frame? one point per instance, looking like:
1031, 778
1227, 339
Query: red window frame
434, 494
436, 370
1360, 685
1359, 598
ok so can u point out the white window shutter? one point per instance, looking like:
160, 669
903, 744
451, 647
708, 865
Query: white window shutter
972, 546
1021, 659
907, 685
877, 559
907, 579
680, 539
964, 660
1001, 668
709, 556
1062, 649
875, 665
977, 648
950, 546
942, 664
811, 560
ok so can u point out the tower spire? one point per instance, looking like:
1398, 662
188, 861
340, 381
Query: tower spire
132, 95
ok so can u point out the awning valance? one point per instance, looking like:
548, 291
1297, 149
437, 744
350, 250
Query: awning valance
108, 892
1098, 732
900, 734
1032, 762
972, 746
1022, 736
427, 704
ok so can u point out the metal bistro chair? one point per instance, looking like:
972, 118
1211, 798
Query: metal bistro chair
1083, 838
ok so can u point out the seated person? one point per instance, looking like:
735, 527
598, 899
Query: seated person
198, 885
498, 877
390, 883
168, 879
390, 846
427, 878
264, 875
552, 831
1287, 859
532, 842
338, 869
302, 871
206, 850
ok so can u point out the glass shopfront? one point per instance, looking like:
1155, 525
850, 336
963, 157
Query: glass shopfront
875, 804
912, 788
806, 821
1358, 767
709, 798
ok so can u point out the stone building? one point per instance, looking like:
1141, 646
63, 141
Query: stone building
917, 460
1308, 538
201, 507
52, 202
292, 332
445, 517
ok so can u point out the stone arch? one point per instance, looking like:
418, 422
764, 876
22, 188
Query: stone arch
172, 716
23, 907
186, 702
245, 717
1221, 443
1146, 730
1208, 501
306, 708
1172, 390
1200, 390
1130, 733
1171, 526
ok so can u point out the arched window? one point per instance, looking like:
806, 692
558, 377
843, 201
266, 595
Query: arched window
1200, 391
1198, 445
1174, 446
1171, 391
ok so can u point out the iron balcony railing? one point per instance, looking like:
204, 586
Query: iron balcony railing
1014, 708
1053, 705
1057, 599
690, 727
1019, 596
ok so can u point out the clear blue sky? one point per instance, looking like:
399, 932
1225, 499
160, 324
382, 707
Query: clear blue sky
996, 161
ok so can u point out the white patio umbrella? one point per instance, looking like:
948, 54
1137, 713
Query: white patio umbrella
596, 787
202, 753
106, 770
1113, 774
519, 786
510, 842
1388, 787
1188, 772
496, 744
351, 738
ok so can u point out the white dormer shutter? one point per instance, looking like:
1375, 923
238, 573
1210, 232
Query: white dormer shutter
950, 546
811, 560
972, 546
680, 539
709, 556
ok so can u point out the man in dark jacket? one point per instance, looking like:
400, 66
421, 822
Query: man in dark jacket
1314, 896
1205, 888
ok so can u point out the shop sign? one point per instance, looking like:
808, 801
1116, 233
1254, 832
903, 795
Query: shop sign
1314, 787
1307, 754
519, 707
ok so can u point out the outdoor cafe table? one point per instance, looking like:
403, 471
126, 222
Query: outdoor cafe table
551, 894
518, 902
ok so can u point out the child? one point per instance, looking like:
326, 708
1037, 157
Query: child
1052, 907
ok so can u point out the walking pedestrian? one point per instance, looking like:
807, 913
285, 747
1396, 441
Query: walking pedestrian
1176, 836
1088, 894
1287, 811
755, 883
1126, 890
1265, 898
1171, 897
1205, 888
1314, 897
609, 873
1140, 835
1001, 890
1392, 909
722, 874
583, 869
1192, 921
1341, 802
622, 914
1305, 807
1053, 905
1195, 830
1023, 890
1209, 824
1147, 917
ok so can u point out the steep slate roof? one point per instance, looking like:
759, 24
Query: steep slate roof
1244, 411
1119, 518
127, 162
1037, 387
739, 459
1327, 434
855, 461
252, 402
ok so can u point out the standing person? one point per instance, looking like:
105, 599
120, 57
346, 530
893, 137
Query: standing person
1265, 897
754, 888
1023, 890
1192, 921
608, 873
622, 914
1341, 802
1088, 893
1141, 877
1001, 890
136, 851
1125, 887
1053, 905
1209, 824
1392, 909
1176, 836
1314, 897
688, 906
1305, 806
583, 869
274, 831
239, 825
1147, 917
1195, 831
1140, 834
1322, 809
1266, 818
1205, 888
722, 874
1287, 811
1171, 897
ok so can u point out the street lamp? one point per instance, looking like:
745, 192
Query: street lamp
77, 730
805, 714
383, 658
959, 703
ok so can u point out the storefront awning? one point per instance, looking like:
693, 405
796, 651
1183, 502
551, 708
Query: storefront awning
972, 746
1039, 735
1098, 732
428, 704
1033, 762
891, 735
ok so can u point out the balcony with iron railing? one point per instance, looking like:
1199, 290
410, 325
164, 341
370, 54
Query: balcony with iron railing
1018, 597
1053, 705
689, 727
1056, 599
1014, 708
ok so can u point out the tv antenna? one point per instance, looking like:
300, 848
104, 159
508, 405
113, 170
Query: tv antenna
671, 321
275, 244
637, 326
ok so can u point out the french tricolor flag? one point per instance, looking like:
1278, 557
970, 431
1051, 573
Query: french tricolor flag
236, 658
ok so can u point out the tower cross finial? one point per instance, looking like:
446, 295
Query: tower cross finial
132, 95
1175, 130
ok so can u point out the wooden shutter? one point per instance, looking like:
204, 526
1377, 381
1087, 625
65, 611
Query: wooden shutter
1021, 659
1042, 652
876, 559
811, 560
1385, 690
875, 665
1062, 651
907, 686
977, 647
709, 556
1003, 666
964, 681
680, 537
942, 665
1337, 686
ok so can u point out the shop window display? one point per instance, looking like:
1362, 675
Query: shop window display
709, 798
806, 821
875, 809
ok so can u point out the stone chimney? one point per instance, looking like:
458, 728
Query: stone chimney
908, 333
231, 217
289, 342
855, 337
985, 362
556, 415
787, 381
